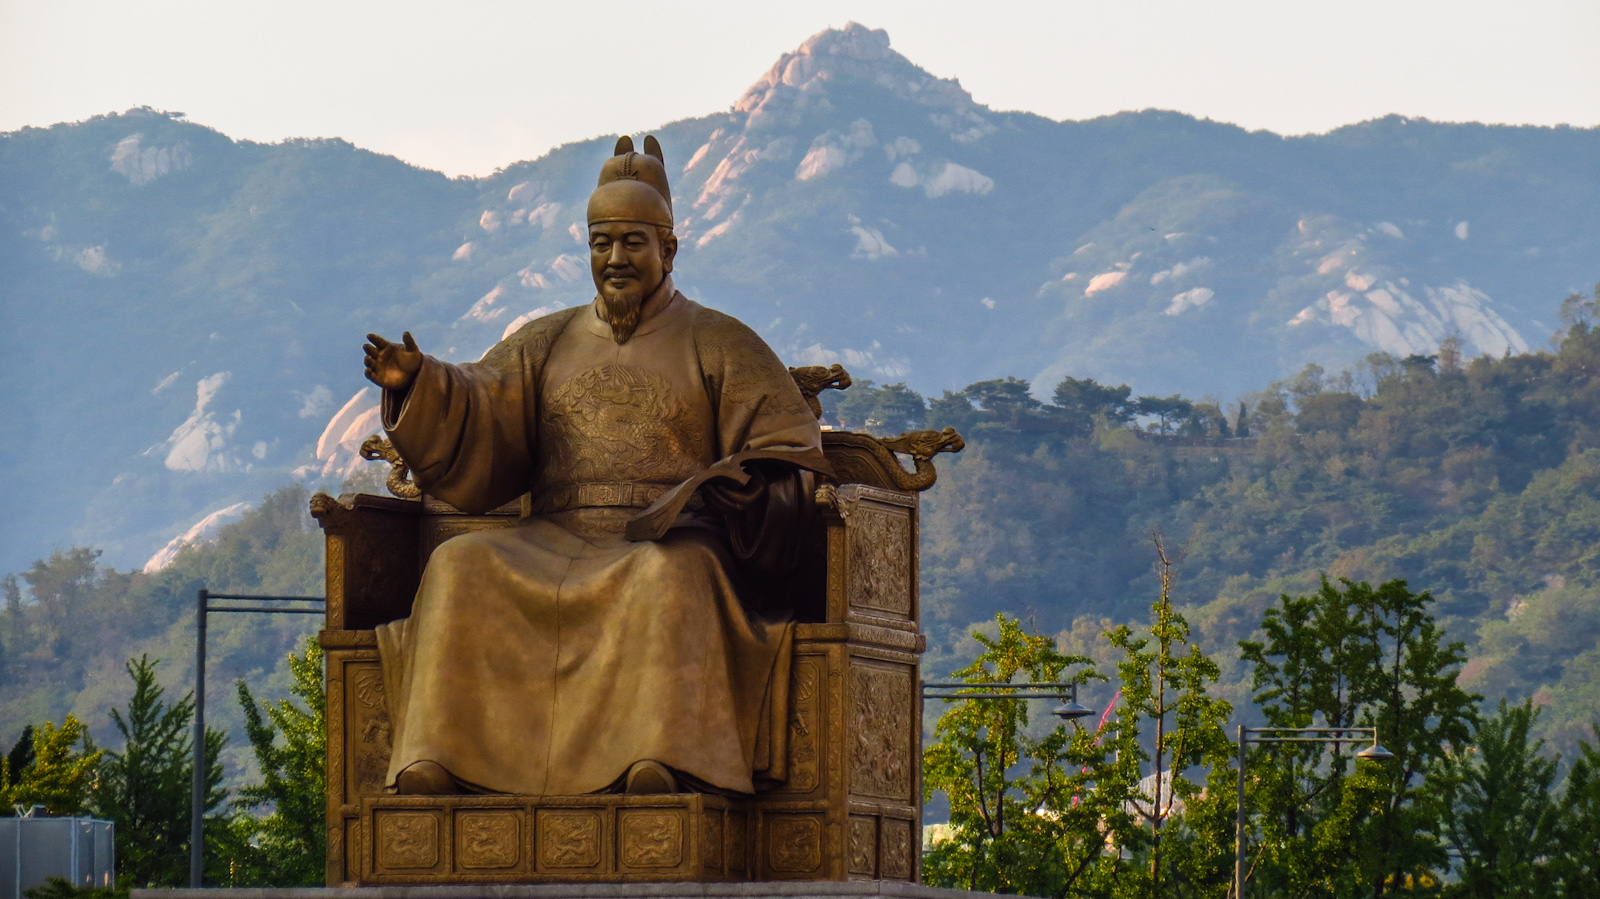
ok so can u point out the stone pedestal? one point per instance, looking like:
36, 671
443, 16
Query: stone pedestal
802, 890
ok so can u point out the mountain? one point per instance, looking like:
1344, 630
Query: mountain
180, 313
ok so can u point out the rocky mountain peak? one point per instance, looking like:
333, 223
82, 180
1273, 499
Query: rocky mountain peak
799, 80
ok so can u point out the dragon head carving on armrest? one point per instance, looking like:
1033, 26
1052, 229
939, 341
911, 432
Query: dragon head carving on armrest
813, 379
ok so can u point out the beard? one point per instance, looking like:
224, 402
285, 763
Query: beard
621, 310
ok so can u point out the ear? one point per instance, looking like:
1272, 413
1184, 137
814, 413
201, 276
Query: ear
624, 145
652, 147
669, 251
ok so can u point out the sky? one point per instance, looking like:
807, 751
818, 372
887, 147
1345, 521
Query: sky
469, 86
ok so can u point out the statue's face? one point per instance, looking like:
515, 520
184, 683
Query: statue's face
628, 258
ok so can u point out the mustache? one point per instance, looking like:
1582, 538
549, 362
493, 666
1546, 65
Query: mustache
619, 271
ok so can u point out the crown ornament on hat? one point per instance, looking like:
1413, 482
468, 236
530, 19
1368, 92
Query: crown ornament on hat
633, 186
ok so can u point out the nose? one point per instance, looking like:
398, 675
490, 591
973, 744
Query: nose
617, 258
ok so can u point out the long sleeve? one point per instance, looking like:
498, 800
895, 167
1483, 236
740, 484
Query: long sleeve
469, 432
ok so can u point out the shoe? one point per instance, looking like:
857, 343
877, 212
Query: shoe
426, 778
649, 777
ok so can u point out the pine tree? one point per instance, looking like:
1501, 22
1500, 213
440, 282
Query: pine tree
145, 787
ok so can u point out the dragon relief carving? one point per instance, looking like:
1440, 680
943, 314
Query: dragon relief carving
399, 480
922, 446
794, 843
371, 755
880, 556
488, 839
569, 839
408, 840
863, 845
813, 379
880, 763
651, 839
896, 849
803, 755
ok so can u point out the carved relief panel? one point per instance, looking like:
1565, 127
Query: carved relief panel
863, 848
794, 844
881, 560
881, 719
406, 841
896, 851
650, 838
488, 840
568, 840
805, 724
368, 732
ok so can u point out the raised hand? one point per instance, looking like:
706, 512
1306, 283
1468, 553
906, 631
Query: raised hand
391, 365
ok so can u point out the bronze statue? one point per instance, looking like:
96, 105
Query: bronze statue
615, 639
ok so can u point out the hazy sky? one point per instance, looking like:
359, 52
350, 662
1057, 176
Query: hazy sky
467, 86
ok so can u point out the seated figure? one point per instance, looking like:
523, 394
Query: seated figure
615, 639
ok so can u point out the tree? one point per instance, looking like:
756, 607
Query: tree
888, 410
1498, 811
1353, 657
145, 787
1012, 814
1575, 868
1073, 813
1168, 718
53, 773
1082, 400
289, 843
1166, 409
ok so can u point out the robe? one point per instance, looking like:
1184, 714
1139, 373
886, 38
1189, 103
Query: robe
548, 657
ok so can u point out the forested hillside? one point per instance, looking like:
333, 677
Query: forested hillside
1475, 479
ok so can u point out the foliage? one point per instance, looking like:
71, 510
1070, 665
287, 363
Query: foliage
886, 411
1168, 718
1500, 817
49, 770
67, 619
1577, 867
1355, 656
1013, 829
288, 845
1072, 812
59, 888
145, 788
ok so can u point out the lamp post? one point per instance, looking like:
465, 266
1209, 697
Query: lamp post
1248, 735
197, 792
1068, 710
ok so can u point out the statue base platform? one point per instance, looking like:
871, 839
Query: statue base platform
852, 889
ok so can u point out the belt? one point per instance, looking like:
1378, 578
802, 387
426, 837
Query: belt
625, 494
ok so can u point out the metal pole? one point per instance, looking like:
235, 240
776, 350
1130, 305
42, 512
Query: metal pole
197, 798
1238, 828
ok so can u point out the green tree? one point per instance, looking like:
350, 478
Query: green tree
1575, 867
289, 843
1353, 657
1083, 400
1166, 409
1499, 814
888, 410
1168, 718
56, 771
145, 787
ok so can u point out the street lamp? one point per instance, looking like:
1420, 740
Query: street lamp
197, 789
1247, 735
1068, 710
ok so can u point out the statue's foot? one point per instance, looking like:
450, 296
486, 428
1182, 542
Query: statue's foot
649, 777
426, 778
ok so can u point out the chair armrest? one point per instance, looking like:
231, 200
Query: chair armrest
372, 565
